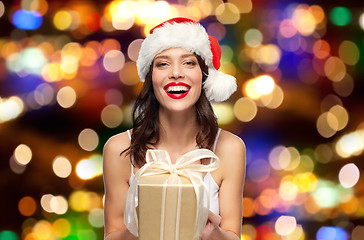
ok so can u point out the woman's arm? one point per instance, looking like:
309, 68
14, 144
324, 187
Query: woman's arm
231, 151
116, 170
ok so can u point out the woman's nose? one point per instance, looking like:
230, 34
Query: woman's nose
176, 72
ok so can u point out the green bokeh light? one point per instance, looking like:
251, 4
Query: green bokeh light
340, 16
326, 195
8, 235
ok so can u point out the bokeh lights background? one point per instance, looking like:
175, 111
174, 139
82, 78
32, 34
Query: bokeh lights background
68, 80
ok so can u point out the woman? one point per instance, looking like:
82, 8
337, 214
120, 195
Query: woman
179, 62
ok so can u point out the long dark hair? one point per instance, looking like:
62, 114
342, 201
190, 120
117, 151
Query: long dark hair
146, 125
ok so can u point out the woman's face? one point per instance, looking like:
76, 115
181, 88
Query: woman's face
177, 79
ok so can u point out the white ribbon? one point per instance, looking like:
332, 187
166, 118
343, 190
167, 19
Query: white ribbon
159, 162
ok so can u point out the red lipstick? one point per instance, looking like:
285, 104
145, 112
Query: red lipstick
177, 90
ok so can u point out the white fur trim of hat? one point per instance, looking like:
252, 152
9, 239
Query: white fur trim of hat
192, 36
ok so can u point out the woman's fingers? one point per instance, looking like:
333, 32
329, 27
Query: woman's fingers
214, 218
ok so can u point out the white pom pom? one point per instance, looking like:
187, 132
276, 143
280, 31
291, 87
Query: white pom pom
219, 86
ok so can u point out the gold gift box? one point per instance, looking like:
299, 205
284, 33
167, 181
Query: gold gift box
150, 192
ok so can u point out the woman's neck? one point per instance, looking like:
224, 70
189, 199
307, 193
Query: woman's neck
177, 132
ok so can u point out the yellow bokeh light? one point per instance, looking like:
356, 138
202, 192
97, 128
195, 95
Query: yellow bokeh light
257, 87
192, 12
61, 228
74, 49
43, 229
160, 10
288, 190
304, 21
79, 201
306, 181
269, 54
351, 144
69, 64
306, 164
250, 90
85, 169
279, 157
123, 8
297, 234
317, 12
244, 6
58, 205
62, 167
89, 168
10, 108
112, 116
361, 21
23, 154
121, 22
204, 6
275, 98
51, 72
324, 127
335, 69
88, 139
285, 225
227, 13
2, 9
62, 20
45, 202
294, 159
224, 113
341, 115
144, 14
245, 109
66, 97
264, 84
248, 232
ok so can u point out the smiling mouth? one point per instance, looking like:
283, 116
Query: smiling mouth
177, 90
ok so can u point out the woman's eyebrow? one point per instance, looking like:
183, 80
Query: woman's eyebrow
188, 55
162, 57
168, 57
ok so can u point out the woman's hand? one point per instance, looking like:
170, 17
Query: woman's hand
213, 222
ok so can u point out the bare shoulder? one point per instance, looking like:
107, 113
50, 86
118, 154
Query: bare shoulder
116, 163
229, 143
117, 143
231, 150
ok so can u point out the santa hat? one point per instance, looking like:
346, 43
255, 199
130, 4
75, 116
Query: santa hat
192, 36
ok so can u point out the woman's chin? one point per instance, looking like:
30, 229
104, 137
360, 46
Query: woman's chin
178, 108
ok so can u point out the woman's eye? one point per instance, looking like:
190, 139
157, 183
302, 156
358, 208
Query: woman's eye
161, 64
192, 63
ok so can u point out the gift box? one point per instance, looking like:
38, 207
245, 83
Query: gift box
176, 220
169, 201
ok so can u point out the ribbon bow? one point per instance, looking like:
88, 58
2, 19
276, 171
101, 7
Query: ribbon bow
159, 162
